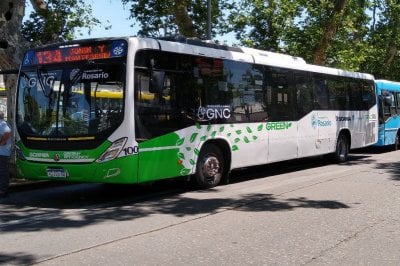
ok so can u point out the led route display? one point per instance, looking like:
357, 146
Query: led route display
72, 54
76, 52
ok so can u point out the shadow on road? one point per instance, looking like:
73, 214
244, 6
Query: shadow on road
18, 258
392, 168
87, 204
128, 207
34, 220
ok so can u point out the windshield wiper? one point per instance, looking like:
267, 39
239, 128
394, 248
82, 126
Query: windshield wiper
42, 84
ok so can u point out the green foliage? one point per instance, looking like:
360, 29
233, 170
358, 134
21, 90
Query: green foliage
59, 22
260, 24
171, 18
366, 33
385, 40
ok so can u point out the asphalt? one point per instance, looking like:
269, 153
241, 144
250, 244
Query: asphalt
23, 184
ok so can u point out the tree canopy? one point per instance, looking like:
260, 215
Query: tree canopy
57, 20
179, 17
360, 35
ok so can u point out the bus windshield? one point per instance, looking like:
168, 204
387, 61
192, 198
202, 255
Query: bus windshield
78, 99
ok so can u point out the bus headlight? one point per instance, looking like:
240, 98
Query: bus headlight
113, 151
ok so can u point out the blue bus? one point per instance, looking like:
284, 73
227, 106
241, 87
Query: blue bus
389, 113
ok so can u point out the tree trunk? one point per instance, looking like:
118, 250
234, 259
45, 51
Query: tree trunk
329, 31
39, 5
12, 47
183, 20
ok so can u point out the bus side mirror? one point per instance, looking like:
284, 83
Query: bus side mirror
157, 81
387, 100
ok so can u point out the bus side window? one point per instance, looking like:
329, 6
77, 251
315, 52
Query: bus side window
386, 108
304, 94
398, 103
393, 109
281, 94
368, 95
355, 89
321, 93
245, 91
338, 94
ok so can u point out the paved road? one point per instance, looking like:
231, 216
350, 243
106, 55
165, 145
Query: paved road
316, 214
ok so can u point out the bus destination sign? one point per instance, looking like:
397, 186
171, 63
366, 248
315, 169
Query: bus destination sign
75, 52
70, 54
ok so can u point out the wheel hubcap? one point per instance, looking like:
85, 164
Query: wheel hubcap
210, 166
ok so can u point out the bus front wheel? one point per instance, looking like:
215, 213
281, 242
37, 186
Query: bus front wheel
210, 167
342, 149
397, 142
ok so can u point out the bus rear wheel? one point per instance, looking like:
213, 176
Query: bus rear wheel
210, 167
342, 149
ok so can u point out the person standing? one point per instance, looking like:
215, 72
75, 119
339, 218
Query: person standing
5, 151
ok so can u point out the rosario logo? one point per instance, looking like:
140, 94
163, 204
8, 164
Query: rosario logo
314, 121
95, 75
320, 121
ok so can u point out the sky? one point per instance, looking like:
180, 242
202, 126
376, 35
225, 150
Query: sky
114, 13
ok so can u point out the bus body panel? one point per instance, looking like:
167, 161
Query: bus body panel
308, 135
264, 142
389, 115
176, 154
388, 132
282, 140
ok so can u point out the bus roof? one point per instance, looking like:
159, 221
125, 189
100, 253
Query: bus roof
387, 84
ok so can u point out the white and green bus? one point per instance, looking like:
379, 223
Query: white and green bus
134, 110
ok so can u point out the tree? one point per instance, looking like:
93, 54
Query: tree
57, 20
12, 13
330, 27
332, 33
181, 17
324, 32
385, 38
12, 45
262, 24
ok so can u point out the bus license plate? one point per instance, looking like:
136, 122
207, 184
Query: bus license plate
57, 173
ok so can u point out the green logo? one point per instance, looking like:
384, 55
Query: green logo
279, 125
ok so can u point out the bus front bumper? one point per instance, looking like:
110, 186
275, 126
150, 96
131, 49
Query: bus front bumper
119, 170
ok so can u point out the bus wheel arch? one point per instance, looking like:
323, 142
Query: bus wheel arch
213, 164
342, 147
